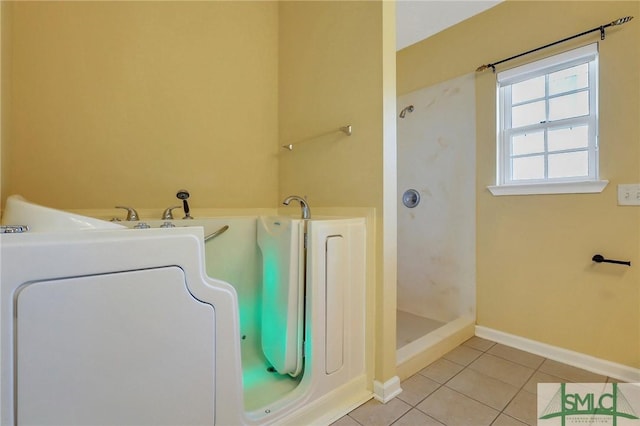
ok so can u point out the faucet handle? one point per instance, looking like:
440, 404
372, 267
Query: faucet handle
132, 214
168, 213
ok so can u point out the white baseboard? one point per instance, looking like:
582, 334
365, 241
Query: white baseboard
576, 359
385, 392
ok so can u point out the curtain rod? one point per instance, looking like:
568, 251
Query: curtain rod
601, 28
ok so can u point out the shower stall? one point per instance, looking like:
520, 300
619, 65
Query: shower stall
436, 221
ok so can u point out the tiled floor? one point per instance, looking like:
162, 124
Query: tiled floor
478, 383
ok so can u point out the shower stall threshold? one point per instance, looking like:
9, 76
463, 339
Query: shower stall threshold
416, 355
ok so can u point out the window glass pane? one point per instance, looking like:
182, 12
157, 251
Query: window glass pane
531, 113
527, 168
573, 78
548, 119
568, 138
569, 164
574, 105
527, 90
529, 143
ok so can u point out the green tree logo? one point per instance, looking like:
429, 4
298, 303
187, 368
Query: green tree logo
589, 404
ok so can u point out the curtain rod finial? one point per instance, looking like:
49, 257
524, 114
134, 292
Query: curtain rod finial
621, 21
486, 66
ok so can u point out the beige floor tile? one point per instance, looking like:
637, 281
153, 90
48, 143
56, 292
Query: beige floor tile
485, 389
516, 355
462, 355
345, 421
501, 369
504, 420
454, 409
441, 370
374, 413
570, 373
524, 408
416, 388
539, 377
470, 385
416, 417
479, 343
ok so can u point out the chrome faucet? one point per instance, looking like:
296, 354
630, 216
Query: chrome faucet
132, 214
167, 214
306, 211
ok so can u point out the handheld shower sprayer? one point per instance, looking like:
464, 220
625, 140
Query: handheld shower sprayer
183, 194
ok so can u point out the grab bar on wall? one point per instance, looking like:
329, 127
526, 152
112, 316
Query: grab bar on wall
216, 233
347, 130
598, 258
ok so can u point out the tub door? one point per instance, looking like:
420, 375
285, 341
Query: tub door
281, 241
120, 348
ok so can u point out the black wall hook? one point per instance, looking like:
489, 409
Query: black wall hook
598, 258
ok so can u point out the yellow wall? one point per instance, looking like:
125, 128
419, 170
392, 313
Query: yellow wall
325, 83
332, 73
535, 277
5, 24
127, 102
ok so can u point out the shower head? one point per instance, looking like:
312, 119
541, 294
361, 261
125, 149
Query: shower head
182, 194
405, 111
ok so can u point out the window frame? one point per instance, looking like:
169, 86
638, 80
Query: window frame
505, 185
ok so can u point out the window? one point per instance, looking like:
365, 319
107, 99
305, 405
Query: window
548, 126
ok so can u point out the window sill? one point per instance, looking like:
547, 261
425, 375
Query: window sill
590, 187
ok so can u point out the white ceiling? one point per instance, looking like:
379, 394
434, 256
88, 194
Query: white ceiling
420, 19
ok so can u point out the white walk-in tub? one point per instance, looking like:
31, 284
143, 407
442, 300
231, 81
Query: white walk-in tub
110, 325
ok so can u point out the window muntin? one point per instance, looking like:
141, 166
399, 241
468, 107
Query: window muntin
548, 120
